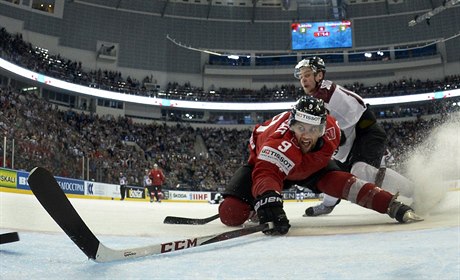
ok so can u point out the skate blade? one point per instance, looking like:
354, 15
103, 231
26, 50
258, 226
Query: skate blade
411, 217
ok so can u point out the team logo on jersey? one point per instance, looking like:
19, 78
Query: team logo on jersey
326, 84
277, 158
330, 133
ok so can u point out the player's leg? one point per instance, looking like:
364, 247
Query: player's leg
157, 196
236, 208
151, 193
122, 192
392, 180
368, 195
369, 147
329, 202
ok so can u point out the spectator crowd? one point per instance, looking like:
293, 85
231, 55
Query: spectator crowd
72, 143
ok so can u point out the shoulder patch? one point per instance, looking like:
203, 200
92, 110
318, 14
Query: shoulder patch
330, 133
277, 158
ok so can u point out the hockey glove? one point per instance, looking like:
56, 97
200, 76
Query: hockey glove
269, 208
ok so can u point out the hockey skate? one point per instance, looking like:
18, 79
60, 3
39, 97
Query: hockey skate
401, 212
318, 210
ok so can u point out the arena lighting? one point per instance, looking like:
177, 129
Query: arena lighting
236, 57
30, 89
197, 105
427, 16
210, 52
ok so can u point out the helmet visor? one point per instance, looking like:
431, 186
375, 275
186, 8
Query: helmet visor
299, 66
314, 131
308, 123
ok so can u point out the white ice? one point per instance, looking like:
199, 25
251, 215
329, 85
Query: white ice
350, 243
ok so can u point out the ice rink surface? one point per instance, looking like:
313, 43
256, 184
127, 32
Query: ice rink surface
350, 243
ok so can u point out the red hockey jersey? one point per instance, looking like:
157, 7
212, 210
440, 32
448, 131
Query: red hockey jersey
157, 177
276, 155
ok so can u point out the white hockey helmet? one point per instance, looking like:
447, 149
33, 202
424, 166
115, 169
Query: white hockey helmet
315, 63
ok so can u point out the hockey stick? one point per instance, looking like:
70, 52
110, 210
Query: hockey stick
189, 221
380, 176
52, 198
9, 237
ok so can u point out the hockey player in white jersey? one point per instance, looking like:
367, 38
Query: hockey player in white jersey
362, 152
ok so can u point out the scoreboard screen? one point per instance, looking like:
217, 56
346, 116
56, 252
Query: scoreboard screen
321, 35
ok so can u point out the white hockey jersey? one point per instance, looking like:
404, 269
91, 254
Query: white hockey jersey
346, 107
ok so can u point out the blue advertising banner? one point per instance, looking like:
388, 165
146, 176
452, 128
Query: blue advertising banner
72, 186
22, 180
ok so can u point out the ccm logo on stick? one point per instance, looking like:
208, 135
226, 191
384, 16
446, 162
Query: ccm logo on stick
178, 245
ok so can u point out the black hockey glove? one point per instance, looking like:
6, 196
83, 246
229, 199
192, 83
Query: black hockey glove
269, 208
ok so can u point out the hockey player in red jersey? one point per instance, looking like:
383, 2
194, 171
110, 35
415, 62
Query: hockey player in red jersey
362, 152
296, 147
158, 179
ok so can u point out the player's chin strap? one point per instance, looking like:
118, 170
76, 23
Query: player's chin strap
318, 84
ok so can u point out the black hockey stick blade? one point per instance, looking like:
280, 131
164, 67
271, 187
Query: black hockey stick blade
9, 237
189, 221
53, 199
